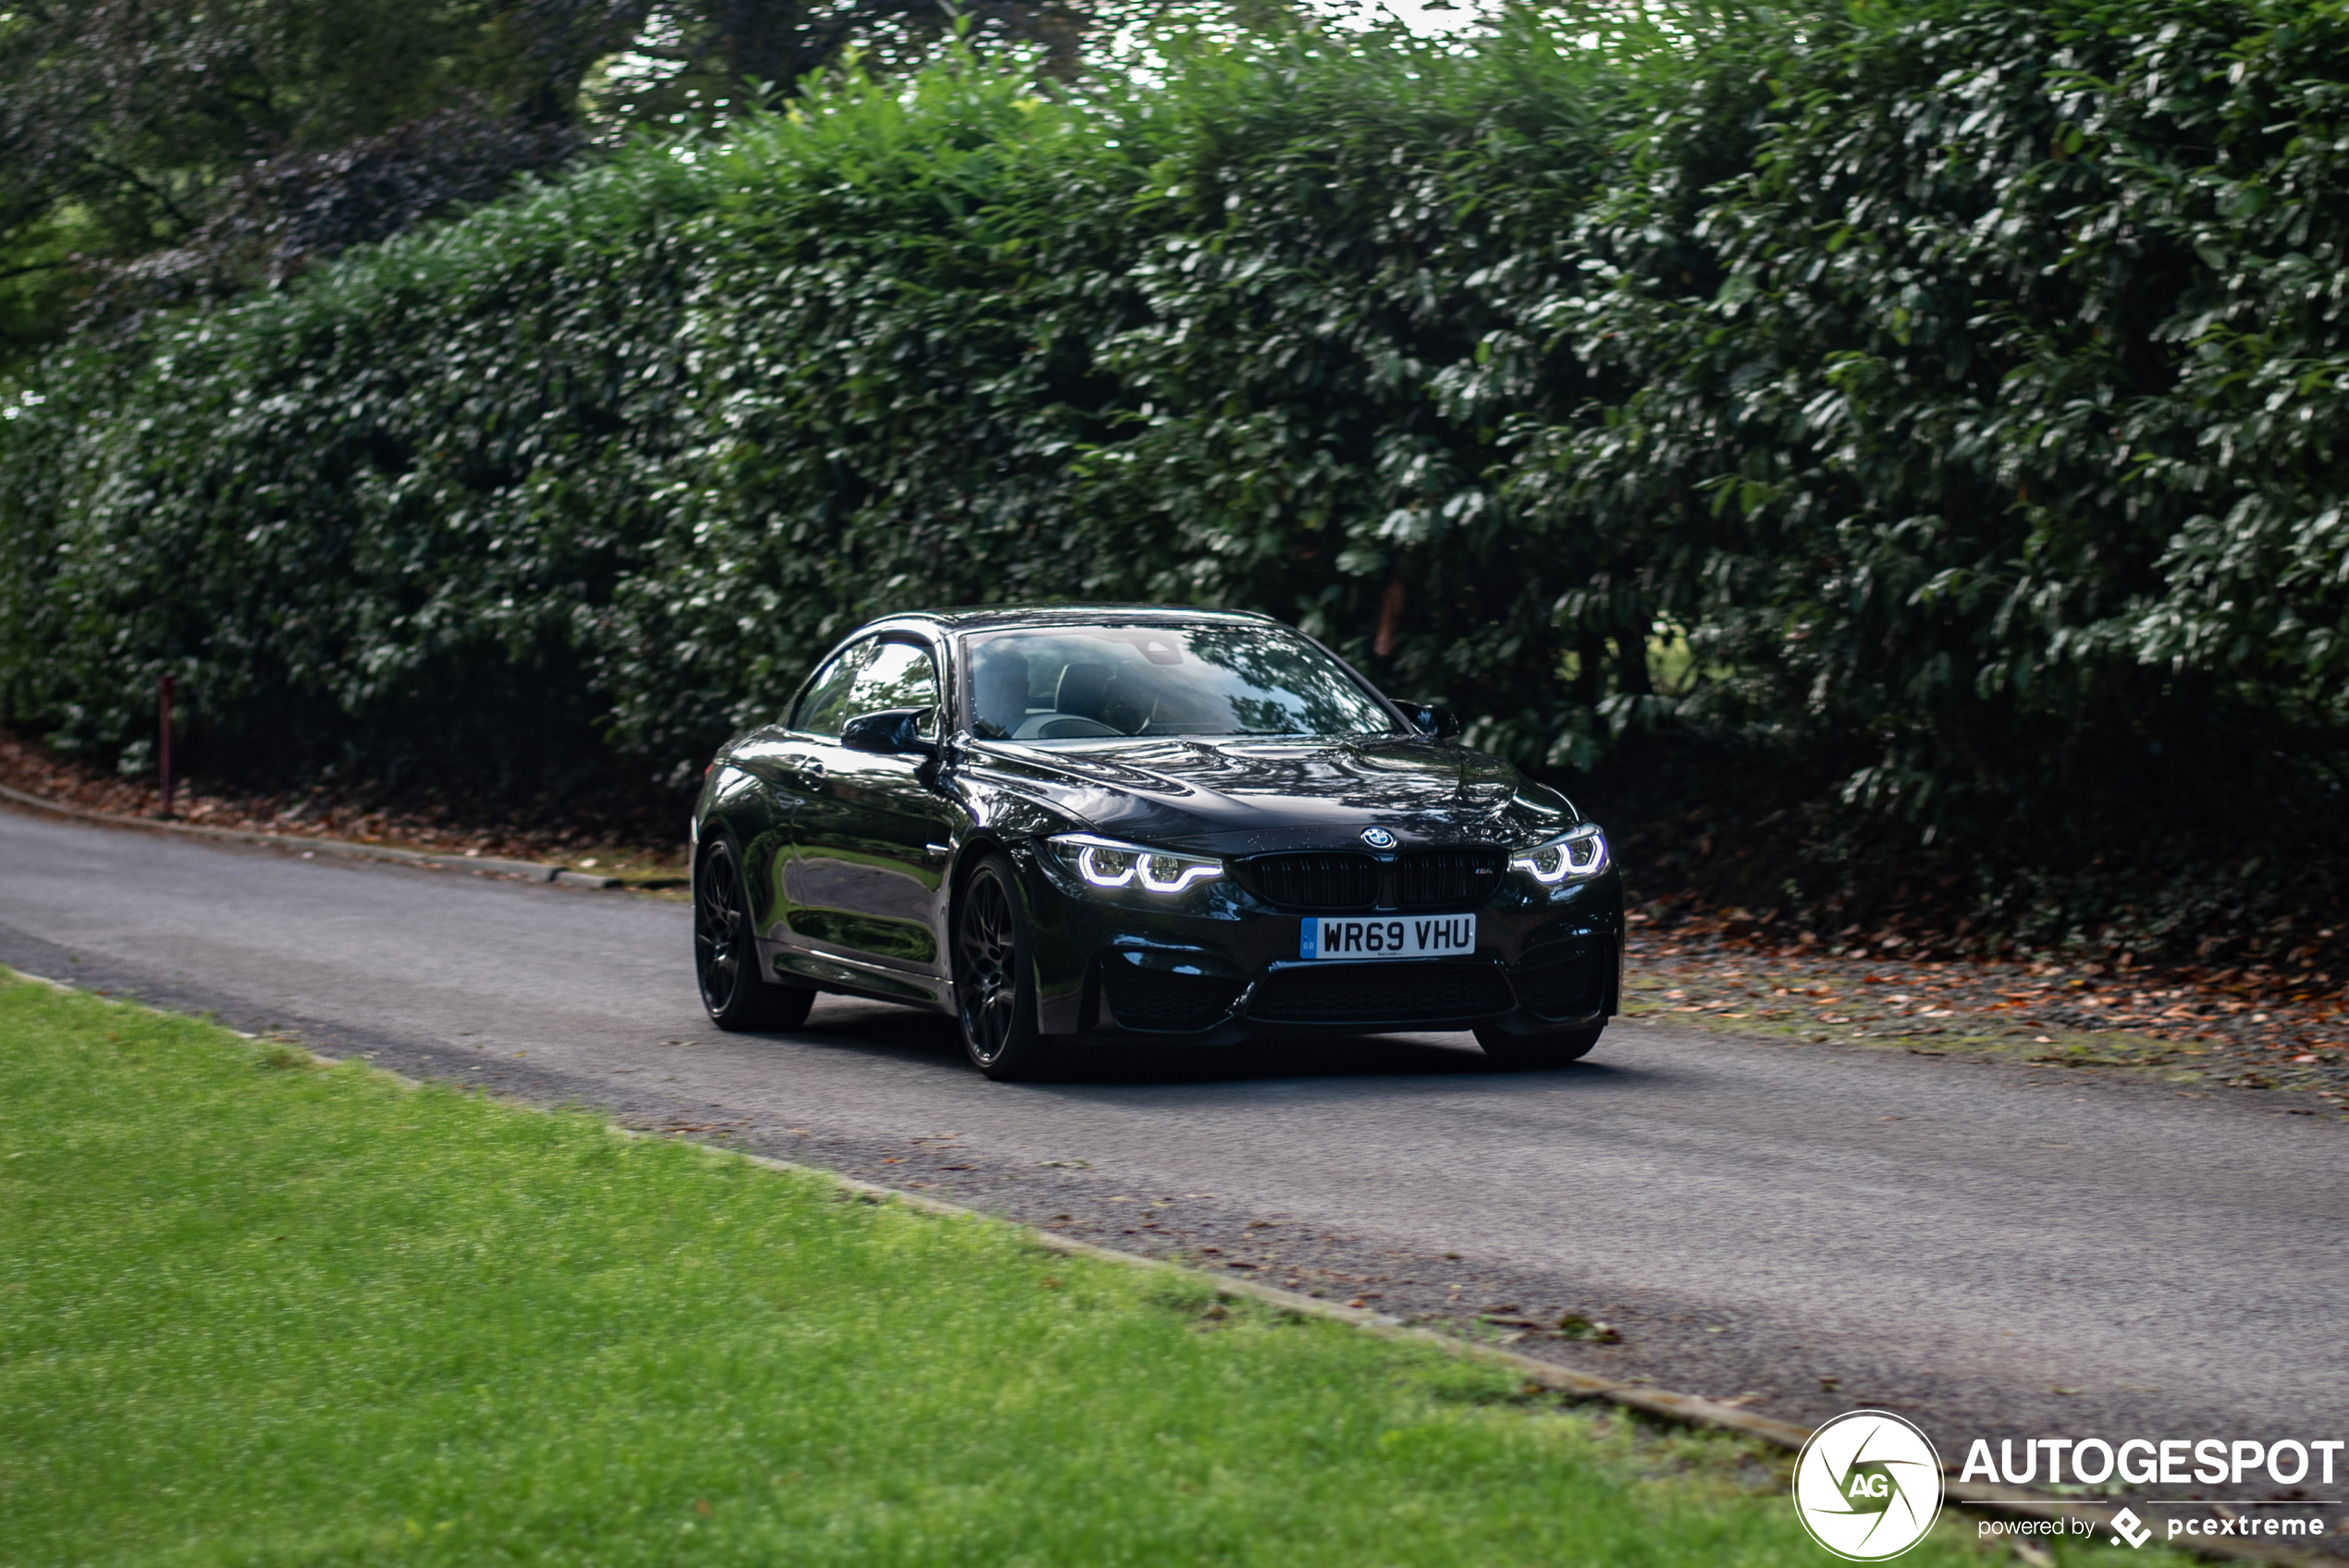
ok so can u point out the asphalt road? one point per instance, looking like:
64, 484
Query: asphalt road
1993, 1251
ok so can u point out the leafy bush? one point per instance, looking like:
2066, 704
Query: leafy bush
1950, 394
631, 451
2005, 430
1993, 411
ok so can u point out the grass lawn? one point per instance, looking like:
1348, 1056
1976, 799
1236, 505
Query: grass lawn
253, 1311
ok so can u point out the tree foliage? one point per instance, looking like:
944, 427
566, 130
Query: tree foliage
157, 155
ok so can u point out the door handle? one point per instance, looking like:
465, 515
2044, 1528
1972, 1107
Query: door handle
791, 769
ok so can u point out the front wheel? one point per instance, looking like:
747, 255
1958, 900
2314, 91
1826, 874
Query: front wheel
1555, 1049
995, 975
726, 953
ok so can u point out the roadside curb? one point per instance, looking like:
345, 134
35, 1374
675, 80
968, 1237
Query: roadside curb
1686, 1409
528, 870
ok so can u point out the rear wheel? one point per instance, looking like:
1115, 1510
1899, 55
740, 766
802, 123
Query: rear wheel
995, 975
726, 953
1554, 1048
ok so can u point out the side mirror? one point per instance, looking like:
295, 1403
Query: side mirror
892, 732
1441, 724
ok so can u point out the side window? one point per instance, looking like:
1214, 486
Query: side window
900, 676
826, 706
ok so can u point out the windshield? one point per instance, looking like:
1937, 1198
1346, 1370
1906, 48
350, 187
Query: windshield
1072, 683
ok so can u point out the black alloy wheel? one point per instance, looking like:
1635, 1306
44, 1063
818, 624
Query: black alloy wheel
726, 953
1552, 1049
995, 975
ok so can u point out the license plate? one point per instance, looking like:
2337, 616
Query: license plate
1441, 936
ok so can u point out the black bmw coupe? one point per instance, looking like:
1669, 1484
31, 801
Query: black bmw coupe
1077, 825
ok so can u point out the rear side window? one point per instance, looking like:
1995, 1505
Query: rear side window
901, 675
825, 707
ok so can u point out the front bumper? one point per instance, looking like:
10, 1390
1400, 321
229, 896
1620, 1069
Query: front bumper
1224, 966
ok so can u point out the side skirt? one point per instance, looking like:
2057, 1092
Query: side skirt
782, 964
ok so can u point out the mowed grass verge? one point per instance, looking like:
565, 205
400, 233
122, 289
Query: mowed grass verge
254, 1311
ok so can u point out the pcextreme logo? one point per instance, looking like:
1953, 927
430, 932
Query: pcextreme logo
1867, 1485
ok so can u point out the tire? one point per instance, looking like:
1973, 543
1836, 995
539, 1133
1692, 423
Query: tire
734, 992
1553, 1049
995, 975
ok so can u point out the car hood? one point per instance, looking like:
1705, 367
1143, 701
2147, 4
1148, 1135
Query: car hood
1242, 796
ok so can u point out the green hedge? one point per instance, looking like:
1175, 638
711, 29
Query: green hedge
1948, 394
2003, 422
629, 451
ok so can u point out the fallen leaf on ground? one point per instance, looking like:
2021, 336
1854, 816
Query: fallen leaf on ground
1574, 1326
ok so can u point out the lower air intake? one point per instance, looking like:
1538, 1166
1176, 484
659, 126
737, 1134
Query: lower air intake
1405, 991
1154, 1000
1572, 987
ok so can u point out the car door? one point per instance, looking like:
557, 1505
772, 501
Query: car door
871, 841
781, 763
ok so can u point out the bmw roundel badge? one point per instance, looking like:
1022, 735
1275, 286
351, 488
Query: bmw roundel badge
1378, 838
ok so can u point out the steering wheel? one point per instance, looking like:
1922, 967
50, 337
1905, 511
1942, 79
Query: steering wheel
1060, 727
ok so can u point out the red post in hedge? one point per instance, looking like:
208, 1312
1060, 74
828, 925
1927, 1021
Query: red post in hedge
163, 751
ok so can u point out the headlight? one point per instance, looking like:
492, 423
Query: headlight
1572, 856
1105, 863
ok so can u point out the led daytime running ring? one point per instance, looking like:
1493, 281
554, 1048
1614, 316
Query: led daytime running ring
1575, 856
1104, 863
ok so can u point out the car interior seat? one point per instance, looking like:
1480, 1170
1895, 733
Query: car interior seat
1085, 690
999, 693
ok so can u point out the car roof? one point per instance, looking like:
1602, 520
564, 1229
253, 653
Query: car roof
989, 618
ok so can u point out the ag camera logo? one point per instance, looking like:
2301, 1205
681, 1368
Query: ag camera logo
1867, 1485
